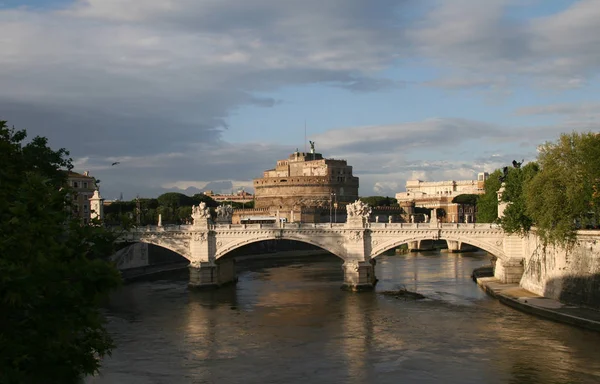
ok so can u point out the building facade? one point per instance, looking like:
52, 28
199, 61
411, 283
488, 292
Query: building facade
240, 197
84, 187
439, 195
305, 187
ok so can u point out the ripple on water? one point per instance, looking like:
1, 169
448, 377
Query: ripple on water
290, 323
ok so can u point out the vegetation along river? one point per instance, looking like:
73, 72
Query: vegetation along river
287, 321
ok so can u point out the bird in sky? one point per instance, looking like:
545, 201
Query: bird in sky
115, 163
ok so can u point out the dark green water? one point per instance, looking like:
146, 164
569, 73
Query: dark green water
289, 322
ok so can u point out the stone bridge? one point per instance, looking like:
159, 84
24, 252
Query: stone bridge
357, 242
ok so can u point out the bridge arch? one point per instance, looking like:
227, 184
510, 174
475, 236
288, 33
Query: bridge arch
495, 250
182, 248
227, 248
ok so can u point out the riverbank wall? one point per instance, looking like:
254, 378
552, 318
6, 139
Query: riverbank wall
568, 275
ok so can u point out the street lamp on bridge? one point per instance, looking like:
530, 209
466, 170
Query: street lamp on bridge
331, 205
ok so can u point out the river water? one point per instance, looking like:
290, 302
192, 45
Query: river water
287, 321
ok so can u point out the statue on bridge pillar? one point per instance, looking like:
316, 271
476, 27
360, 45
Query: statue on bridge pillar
358, 213
224, 213
200, 214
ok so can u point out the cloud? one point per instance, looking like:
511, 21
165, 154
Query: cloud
152, 83
560, 109
580, 117
486, 46
428, 134
103, 74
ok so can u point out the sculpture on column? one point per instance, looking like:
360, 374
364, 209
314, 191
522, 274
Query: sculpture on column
200, 212
358, 209
224, 211
159, 220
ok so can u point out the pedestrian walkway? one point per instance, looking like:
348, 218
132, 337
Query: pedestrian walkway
523, 300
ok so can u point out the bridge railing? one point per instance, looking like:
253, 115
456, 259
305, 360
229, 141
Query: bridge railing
435, 225
163, 228
179, 228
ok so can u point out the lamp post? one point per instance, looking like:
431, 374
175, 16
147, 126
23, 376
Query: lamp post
335, 206
331, 205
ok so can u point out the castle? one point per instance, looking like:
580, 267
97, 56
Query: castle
304, 187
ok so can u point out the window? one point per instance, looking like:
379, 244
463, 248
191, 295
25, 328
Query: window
75, 184
85, 208
85, 184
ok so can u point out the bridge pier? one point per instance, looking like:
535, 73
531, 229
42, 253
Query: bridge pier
212, 275
453, 246
359, 276
420, 245
509, 271
413, 246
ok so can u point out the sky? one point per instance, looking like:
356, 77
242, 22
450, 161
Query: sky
189, 95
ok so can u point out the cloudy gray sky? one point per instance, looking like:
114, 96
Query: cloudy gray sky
189, 94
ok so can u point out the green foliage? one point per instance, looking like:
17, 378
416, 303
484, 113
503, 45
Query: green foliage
516, 218
380, 201
120, 213
184, 215
563, 196
174, 200
201, 197
487, 204
422, 211
53, 275
238, 205
466, 198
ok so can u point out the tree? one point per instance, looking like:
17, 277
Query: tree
174, 200
487, 204
201, 197
563, 196
379, 201
466, 198
53, 275
516, 218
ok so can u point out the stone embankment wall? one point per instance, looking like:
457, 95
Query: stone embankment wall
571, 276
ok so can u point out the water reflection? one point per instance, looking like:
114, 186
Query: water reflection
288, 322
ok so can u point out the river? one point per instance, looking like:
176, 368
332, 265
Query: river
287, 321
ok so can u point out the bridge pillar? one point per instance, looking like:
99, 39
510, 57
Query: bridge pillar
359, 275
212, 275
509, 271
413, 246
510, 268
205, 271
453, 246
